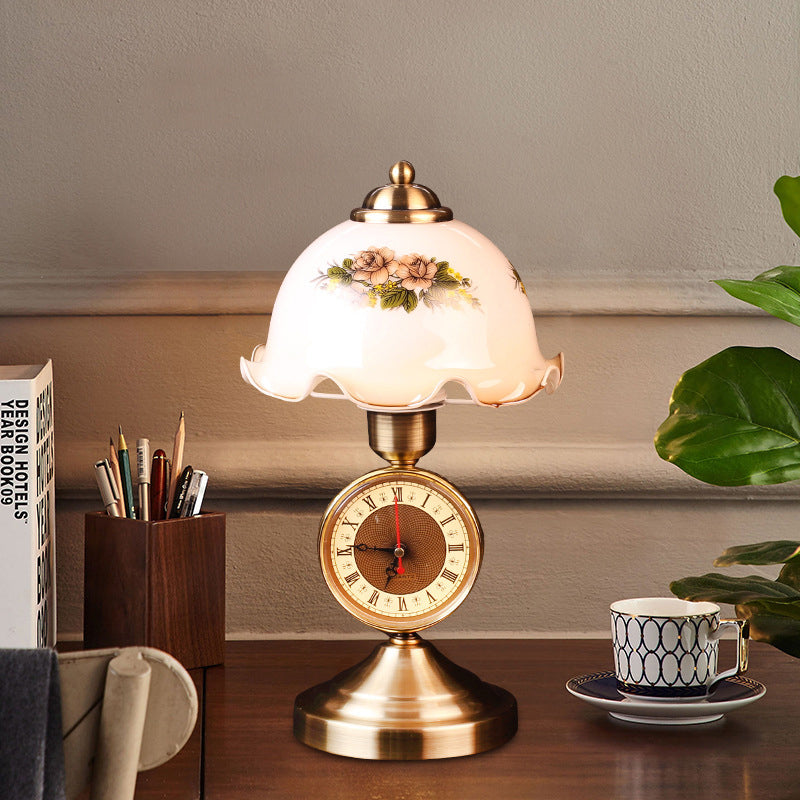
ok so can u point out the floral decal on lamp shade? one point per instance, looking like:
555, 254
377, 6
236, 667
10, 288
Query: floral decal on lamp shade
378, 276
518, 284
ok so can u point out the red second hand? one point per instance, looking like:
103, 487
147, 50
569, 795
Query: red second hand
400, 568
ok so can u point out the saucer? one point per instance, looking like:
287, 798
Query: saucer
600, 689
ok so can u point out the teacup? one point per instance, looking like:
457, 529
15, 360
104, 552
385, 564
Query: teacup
666, 648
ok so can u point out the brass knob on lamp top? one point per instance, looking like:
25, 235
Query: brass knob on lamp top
402, 200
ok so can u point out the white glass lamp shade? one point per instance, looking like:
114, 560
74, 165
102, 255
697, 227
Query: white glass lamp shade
393, 312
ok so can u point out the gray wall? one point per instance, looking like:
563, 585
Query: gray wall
163, 164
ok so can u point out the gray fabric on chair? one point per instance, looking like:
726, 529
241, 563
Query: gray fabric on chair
31, 749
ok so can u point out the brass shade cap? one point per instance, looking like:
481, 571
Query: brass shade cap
402, 200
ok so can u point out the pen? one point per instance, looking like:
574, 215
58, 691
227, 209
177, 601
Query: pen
182, 487
114, 463
143, 476
158, 483
177, 463
108, 489
125, 473
194, 495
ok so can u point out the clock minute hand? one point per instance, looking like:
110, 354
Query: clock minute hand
399, 552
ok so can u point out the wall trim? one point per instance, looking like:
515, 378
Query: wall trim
293, 471
92, 293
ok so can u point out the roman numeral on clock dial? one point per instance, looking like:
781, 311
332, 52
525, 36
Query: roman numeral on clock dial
352, 578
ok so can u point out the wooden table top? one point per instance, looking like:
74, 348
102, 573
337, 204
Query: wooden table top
564, 748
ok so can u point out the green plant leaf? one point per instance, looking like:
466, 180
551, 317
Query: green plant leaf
720, 588
774, 622
337, 272
734, 419
790, 574
777, 291
762, 553
348, 263
788, 191
773, 609
786, 276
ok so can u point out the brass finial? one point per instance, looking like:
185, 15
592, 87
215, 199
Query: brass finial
402, 172
401, 201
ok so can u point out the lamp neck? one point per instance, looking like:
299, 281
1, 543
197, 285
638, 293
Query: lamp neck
402, 438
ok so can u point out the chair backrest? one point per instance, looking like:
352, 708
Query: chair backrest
123, 710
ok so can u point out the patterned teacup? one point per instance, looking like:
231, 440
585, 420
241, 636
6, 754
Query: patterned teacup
666, 648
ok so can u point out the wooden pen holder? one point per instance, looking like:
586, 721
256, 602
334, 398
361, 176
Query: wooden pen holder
157, 584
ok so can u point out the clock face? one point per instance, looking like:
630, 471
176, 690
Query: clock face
400, 549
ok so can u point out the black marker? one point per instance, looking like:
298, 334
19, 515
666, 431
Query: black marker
181, 487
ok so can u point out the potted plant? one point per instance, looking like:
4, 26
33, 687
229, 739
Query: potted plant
734, 420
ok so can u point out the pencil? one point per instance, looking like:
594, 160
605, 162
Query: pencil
114, 462
125, 473
177, 462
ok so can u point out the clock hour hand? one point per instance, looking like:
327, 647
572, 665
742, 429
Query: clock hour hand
391, 572
364, 547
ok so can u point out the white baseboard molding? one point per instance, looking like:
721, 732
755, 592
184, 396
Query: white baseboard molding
523, 471
87, 292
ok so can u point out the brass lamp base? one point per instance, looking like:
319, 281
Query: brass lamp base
405, 701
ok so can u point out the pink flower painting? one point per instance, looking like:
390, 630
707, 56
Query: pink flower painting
377, 278
416, 272
374, 264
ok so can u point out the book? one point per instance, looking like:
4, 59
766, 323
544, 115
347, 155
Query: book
27, 507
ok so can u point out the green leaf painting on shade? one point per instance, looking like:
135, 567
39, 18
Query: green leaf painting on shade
788, 191
392, 299
734, 419
377, 277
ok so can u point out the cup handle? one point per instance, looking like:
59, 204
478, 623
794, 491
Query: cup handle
742, 627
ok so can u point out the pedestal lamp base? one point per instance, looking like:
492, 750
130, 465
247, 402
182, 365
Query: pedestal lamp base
405, 701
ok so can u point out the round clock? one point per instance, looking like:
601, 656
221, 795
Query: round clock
400, 548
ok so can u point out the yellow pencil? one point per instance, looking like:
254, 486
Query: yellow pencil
114, 462
177, 461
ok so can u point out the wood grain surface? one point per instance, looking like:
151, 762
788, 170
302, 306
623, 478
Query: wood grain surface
159, 584
564, 747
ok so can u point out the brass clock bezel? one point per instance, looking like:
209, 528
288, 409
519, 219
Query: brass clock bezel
383, 621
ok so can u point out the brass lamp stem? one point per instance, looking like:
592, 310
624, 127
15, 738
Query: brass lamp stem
402, 438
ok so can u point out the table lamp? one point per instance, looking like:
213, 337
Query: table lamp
396, 306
